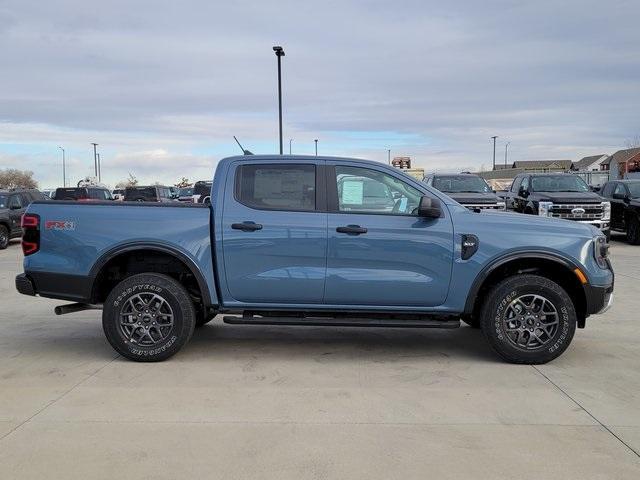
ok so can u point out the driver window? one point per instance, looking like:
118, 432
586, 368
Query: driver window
362, 190
620, 191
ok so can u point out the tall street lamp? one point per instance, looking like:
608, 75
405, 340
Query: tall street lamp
506, 146
95, 159
316, 140
99, 170
389, 156
279, 53
494, 151
64, 172
290, 140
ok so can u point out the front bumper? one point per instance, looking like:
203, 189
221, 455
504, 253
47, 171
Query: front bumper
599, 299
603, 225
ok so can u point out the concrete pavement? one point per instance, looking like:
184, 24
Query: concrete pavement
291, 402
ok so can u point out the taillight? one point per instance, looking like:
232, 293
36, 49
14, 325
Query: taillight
30, 233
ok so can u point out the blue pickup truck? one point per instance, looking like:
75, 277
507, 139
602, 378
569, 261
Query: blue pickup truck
295, 240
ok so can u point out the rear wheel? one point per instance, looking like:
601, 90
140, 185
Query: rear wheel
4, 237
148, 317
528, 319
633, 231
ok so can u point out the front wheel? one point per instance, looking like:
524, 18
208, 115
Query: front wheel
633, 231
4, 237
528, 319
148, 317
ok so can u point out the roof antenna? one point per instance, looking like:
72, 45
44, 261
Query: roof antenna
244, 152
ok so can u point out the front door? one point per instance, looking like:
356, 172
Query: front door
275, 232
618, 206
16, 209
380, 252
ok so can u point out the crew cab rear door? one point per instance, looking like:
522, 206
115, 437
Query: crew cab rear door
274, 232
380, 252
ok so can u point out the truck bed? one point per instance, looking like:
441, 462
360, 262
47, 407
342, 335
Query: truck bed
77, 238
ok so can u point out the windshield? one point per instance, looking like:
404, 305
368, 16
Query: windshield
558, 183
634, 190
460, 184
3, 201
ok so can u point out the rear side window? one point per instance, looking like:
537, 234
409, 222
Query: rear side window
277, 186
137, 194
71, 194
15, 201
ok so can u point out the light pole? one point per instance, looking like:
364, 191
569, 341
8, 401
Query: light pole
64, 171
290, 140
279, 53
99, 169
494, 151
95, 159
506, 146
316, 140
389, 156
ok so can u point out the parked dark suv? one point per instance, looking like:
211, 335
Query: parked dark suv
83, 194
624, 196
13, 203
467, 189
152, 193
559, 195
202, 192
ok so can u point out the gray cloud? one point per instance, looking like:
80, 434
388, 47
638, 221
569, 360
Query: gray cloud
557, 79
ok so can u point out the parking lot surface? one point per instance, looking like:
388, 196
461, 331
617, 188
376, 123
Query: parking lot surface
316, 403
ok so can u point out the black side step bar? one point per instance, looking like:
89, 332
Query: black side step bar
343, 322
75, 307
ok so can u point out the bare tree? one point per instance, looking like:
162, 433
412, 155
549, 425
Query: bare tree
183, 183
131, 181
14, 178
633, 142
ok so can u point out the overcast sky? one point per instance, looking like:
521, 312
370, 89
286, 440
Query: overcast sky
163, 86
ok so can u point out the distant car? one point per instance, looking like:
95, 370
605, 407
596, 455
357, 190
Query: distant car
118, 194
48, 193
624, 196
83, 194
467, 189
202, 192
13, 204
152, 193
185, 195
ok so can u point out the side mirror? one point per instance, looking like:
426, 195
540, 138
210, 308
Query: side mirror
619, 196
429, 208
522, 192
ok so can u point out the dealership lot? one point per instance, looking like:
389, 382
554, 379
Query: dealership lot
292, 402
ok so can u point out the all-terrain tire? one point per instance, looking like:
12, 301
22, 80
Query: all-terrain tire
633, 231
148, 317
506, 311
4, 237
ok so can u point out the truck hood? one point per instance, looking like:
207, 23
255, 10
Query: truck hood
475, 198
506, 224
566, 197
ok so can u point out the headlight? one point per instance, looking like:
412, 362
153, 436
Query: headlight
544, 209
606, 210
601, 251
501, 205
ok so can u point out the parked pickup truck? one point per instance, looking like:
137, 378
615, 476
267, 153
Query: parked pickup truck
624, 196
279, 245
559, 195
467, 189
